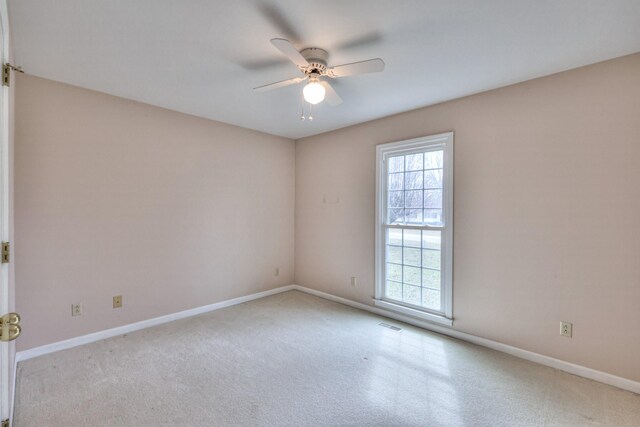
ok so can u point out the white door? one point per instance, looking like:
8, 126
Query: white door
7, 349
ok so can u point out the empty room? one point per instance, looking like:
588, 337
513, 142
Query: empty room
320, 213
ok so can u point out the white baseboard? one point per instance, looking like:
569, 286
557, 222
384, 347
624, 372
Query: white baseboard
571, 368
120, 330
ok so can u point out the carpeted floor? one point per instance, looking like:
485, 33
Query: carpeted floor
295, 359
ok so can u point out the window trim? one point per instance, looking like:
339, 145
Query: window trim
445, 141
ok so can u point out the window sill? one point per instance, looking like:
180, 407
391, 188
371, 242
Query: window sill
429, 317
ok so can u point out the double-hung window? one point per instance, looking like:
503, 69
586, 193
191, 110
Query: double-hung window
414, 227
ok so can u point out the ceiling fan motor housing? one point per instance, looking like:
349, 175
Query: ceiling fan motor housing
317, 59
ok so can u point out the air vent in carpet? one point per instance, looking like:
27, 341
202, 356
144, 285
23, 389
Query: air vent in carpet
386, 325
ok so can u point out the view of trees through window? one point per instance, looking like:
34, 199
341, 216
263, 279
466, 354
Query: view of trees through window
415, 188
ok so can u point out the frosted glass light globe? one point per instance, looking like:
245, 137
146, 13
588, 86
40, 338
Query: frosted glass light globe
313, 92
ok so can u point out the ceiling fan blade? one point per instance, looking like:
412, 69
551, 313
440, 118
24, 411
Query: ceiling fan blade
362, 67
290, 52
280, 84
331, 95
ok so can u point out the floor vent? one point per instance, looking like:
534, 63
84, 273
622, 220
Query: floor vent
386, 325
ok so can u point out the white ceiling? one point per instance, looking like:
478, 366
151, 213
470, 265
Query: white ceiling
204, 57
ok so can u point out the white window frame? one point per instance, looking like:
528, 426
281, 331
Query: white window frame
442, 141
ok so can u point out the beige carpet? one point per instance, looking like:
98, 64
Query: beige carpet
294, 359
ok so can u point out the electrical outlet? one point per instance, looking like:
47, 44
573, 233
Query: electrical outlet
277, 271
117, 301
566, 329
354, 282
76, 309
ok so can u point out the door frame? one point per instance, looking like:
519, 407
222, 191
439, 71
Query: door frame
7, 349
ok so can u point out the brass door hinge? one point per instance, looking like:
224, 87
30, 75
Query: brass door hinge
6, 76
6, 73
5, 423
6, 252
10, 327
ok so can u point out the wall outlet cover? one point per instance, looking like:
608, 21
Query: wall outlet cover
76, 310
566, 329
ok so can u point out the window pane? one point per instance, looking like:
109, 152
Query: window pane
396, 216
394, 237
433, 178
433, 159
394, 254
396, 181
411, 275
431, 279
413, 180
413, 199
412, 238
431, 258
396, 199
413, 267
414, 162
433, 216
394, 272
413, 216
396, 164
412, 257
433, 199
411, 294
431, 299
394, 290
431, 239
420, 176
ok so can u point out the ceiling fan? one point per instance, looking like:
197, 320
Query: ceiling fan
312, 62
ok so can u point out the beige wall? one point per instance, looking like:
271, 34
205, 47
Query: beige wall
117, 197
547, 212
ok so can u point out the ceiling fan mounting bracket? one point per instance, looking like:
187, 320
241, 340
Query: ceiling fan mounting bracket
315, 54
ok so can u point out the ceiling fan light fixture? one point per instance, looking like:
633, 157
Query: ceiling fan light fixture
312, 62
313, 92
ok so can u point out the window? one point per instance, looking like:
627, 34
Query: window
414, 227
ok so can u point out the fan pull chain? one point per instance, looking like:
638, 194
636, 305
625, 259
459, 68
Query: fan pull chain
310, 115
